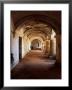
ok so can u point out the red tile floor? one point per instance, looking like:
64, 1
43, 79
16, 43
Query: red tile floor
36, 66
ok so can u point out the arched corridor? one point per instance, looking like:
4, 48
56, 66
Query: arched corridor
35, 45
35, 66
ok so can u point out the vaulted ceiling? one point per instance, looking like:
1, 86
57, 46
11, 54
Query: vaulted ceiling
37, 23
52, 18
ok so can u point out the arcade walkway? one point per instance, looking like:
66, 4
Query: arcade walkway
36, 66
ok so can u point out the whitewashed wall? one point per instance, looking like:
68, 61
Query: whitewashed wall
14, 46
25, 46
15, 49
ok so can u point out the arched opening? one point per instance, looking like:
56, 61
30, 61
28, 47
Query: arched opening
36, 44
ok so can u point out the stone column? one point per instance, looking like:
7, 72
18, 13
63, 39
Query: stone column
47, 48
51, 47
58, 48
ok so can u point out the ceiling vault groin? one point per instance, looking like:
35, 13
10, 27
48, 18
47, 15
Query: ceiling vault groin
34, 28
50, 18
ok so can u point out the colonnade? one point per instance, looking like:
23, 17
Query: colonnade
49, 47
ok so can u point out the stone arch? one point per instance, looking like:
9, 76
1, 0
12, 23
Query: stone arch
38, 38
36, 44
40, 18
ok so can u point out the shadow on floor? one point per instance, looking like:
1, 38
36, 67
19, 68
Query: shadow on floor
33, 66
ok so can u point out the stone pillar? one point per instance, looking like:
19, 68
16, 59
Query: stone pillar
58, 48
47, 48
51, 47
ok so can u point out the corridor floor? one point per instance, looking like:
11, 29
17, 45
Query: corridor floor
36, 66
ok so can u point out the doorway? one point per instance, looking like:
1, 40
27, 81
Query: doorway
20, 48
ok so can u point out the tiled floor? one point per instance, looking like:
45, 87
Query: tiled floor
36, 66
